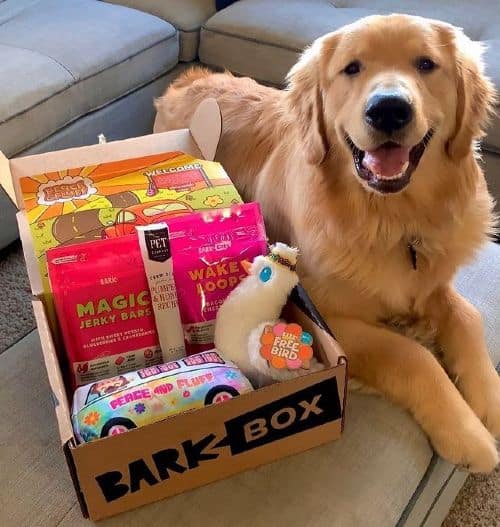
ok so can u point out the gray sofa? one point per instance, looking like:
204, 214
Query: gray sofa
75, 68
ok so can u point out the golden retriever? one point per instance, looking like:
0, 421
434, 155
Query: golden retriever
367, 163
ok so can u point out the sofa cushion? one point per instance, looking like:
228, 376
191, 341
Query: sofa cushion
187, 16
62, 59
129, 116
247, 39
480, 283
12, 8
458, 12
380, 473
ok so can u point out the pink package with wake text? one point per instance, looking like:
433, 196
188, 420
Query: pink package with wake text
209, 250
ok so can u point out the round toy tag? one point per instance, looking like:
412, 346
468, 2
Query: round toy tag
286, 346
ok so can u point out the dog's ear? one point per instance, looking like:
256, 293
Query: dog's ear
475, 93
305, 100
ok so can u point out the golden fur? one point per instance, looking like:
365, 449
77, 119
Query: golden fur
286, 149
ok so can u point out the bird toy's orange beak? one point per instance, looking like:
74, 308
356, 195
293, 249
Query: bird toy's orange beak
246, 264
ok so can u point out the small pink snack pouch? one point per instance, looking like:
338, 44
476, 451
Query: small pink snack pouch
209, 250
103, 305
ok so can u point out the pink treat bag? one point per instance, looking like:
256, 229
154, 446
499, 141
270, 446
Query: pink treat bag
208, 250
103, 305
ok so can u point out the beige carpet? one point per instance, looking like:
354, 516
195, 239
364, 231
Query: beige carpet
477, 505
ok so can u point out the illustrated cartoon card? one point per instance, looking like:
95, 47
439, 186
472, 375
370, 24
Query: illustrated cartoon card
111, 199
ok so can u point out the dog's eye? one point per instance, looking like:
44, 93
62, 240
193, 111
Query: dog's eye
352, 68
425, 64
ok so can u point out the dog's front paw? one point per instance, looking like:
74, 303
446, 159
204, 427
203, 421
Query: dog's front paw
484, 398
468, 444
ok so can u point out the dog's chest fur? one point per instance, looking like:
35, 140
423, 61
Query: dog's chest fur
390, 275
368, 270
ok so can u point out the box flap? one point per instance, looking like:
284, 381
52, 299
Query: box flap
54, 373
6, 178
32, 266
207, 137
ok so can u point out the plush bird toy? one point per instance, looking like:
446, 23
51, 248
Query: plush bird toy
253, 308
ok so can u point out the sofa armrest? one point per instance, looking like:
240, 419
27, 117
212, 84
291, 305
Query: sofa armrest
185, 15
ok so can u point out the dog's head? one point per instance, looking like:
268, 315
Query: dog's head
382, 89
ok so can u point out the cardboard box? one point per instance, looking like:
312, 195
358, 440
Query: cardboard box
191, 449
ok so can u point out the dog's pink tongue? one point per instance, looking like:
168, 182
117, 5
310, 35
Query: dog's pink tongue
386, 161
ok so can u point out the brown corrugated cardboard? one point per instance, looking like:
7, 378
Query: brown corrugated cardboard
195, 448
188, 450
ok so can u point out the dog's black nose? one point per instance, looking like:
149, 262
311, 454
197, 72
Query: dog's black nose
388, 112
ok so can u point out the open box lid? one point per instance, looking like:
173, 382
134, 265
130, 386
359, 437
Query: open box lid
200, 140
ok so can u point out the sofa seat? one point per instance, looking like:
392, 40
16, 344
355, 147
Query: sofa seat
187, 16
381, 472
62, 59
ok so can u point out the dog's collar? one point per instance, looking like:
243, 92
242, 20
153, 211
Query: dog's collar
412, 244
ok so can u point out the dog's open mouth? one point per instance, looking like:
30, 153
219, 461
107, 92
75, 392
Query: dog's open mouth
389, 167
